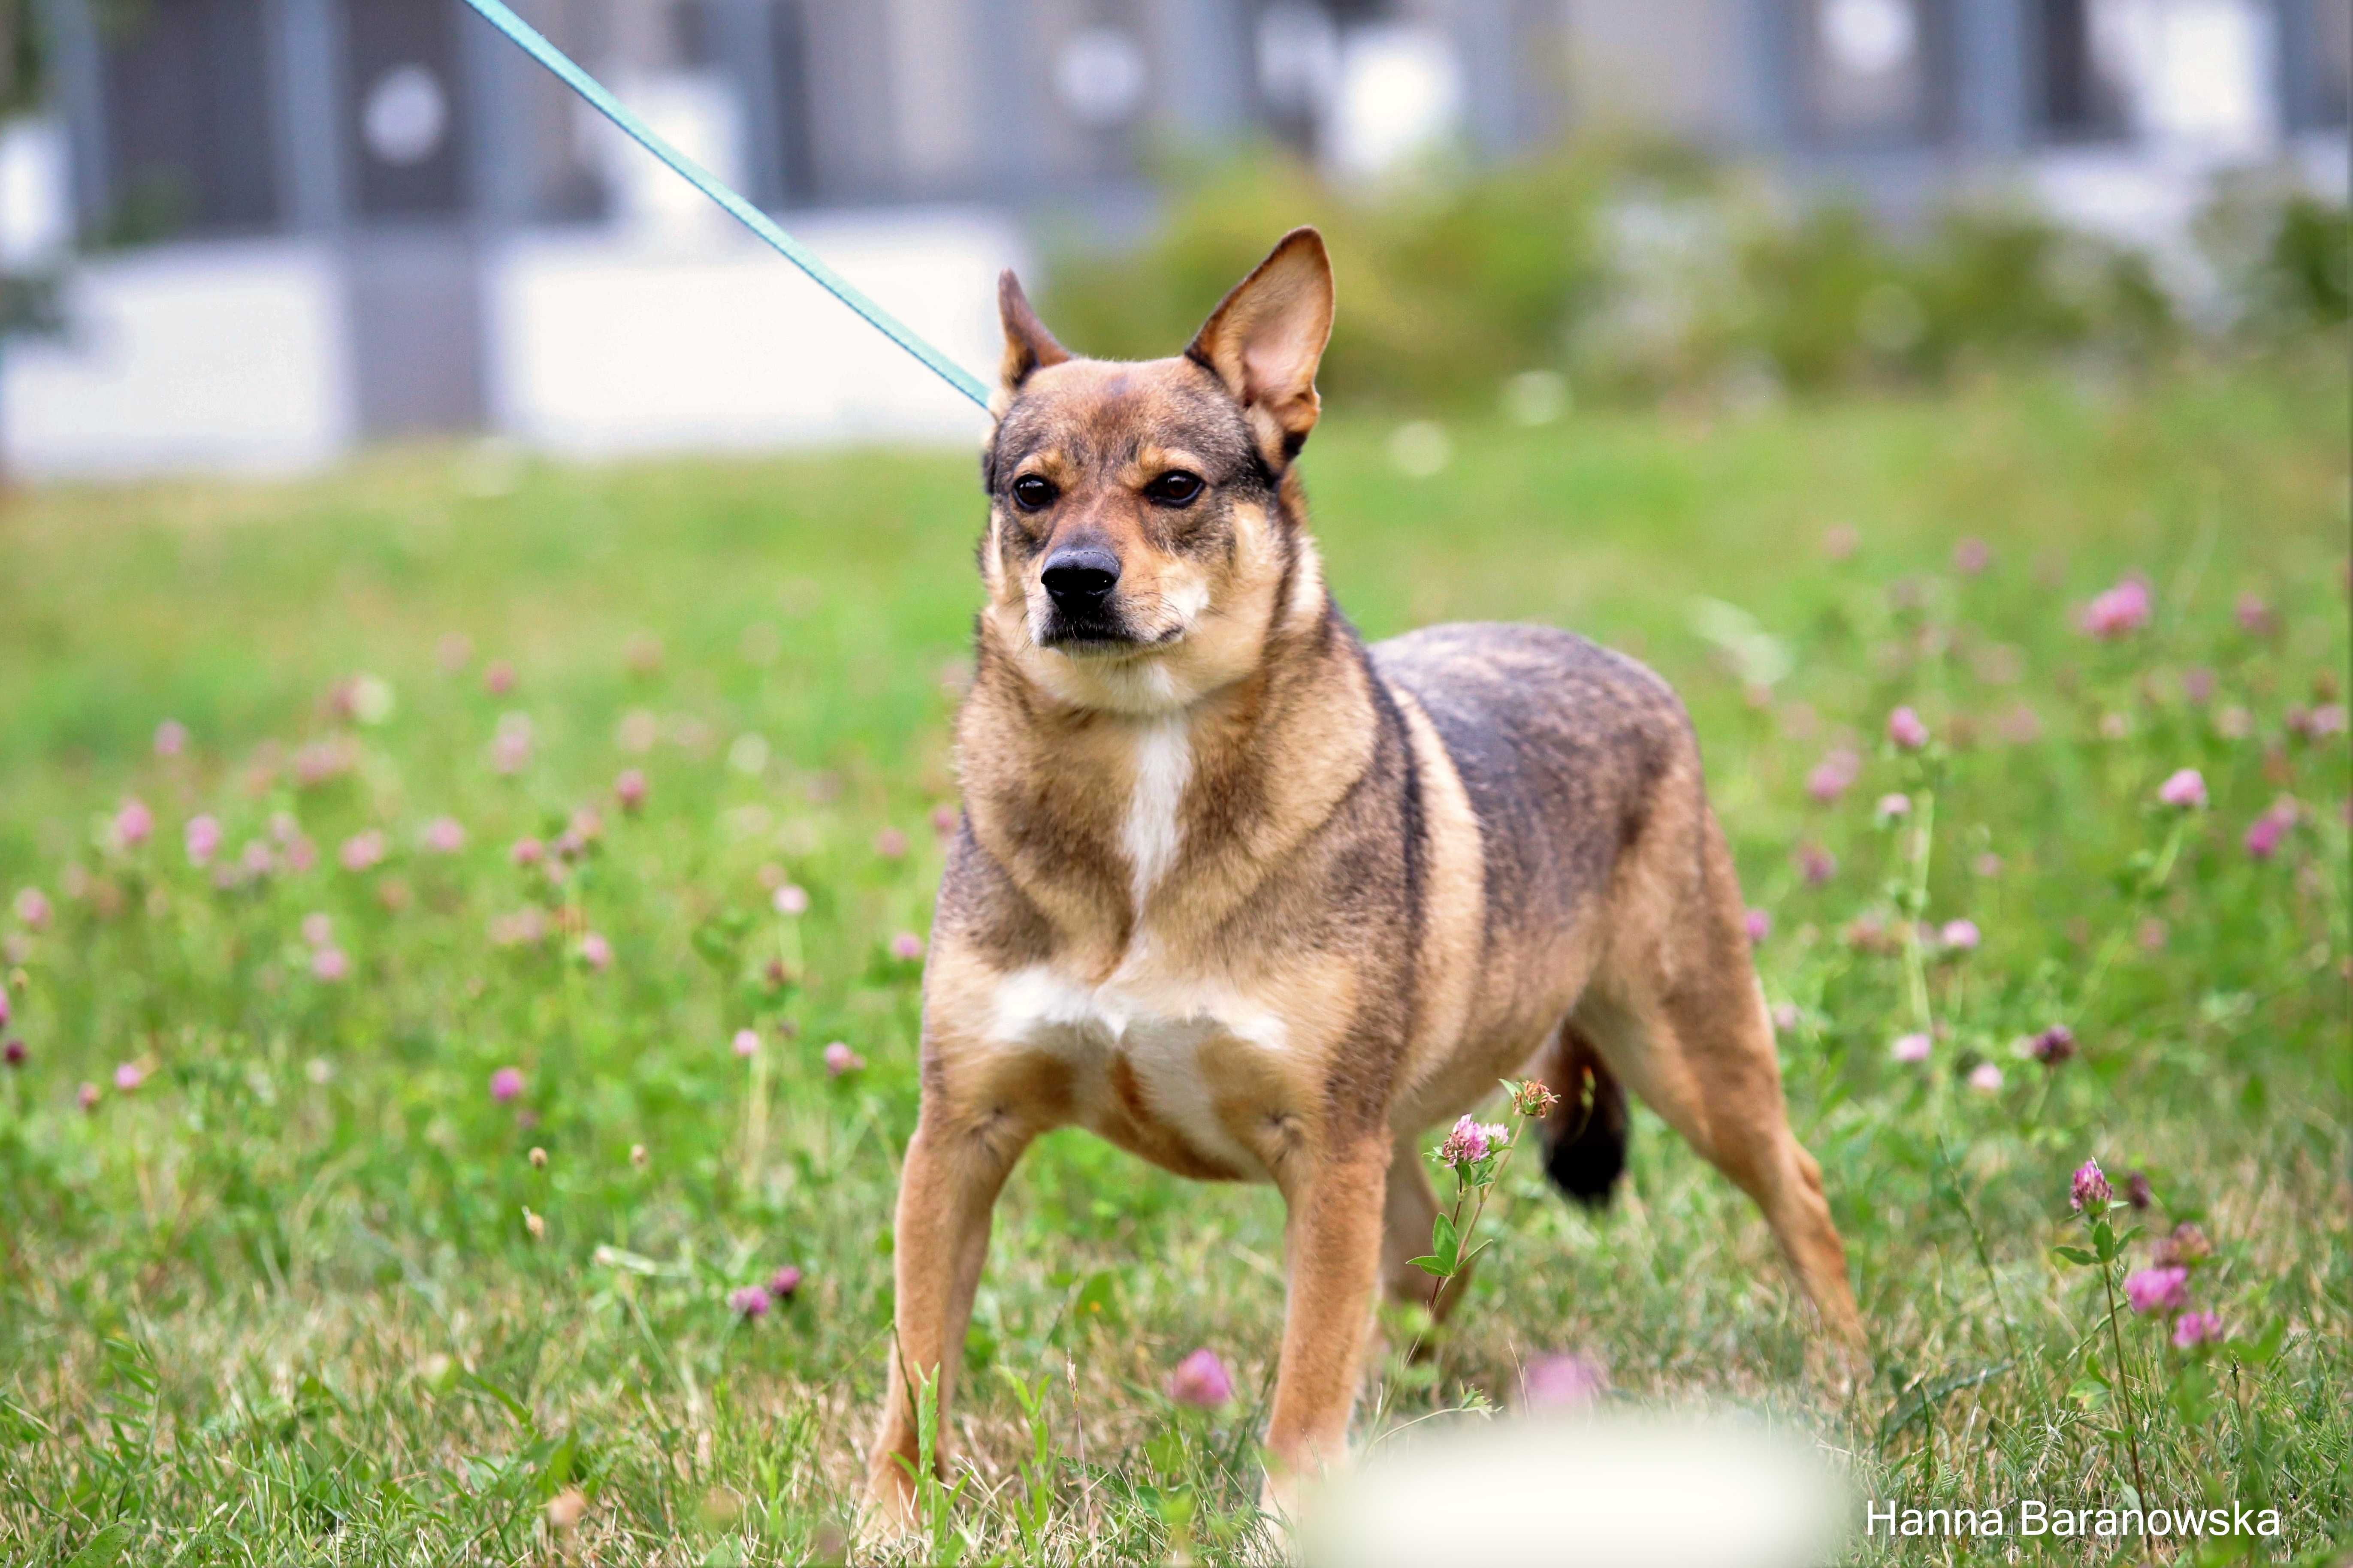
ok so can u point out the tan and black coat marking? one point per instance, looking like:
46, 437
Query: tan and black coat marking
1256, 901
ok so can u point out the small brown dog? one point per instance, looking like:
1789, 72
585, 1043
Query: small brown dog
1256, 901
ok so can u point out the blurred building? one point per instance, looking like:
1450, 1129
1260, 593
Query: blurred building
296, 224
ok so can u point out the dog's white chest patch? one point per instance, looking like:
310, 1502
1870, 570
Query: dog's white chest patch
1156, 1028
1154, 831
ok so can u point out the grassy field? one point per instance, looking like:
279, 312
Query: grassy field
291, 1276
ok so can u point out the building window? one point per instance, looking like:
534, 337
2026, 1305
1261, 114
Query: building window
2076, 72
405, 121
187, 122
2327, 96
1872, 73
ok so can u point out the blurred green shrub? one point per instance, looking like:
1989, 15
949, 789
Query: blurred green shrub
2280, 257
1645, 273
1445, 290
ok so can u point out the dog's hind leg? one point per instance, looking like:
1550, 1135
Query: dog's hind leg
1407, 1213
1585, 1134
1680, 1018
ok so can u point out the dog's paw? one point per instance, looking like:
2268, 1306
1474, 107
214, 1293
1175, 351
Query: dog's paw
1840, 1364
887, 1525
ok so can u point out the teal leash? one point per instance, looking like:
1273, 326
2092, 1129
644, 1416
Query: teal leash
529, 40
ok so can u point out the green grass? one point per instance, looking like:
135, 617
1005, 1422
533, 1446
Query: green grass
282, 1303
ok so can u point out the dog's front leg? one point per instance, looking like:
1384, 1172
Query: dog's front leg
1334, 1245
956, 1167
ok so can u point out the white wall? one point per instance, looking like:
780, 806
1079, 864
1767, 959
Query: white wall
227, 355
607, 343
646, 337
36, 206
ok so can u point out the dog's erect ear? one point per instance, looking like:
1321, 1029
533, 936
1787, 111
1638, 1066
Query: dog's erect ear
1265, 340
1027, 343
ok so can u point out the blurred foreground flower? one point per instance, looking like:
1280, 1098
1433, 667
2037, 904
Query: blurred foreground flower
505, 1084
323, 760
2194, 1328
748, 1301
525, 927
330, 964
1960, 936
2088, 1187
369, 699
2188, 1244
2157, 1290
784, 1282
1564, 1382
2119, 612
362, 851
629, 790
171, 738
2185, 789
443, 836
511, 747
203, 836
2052, 1046
1985, 1079
1833, 775
1759, 925
1893, 808
128, 1077
839, 1058
1201, 1381
2263, 835
890, 844
907, 947
595, 951
1911, 1048
790, 900
2311, 723
747, 1042
87, 1096
1905, 728
13, 1052
133, 823
32, 906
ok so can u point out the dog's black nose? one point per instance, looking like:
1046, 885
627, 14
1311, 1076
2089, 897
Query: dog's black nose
1081, 578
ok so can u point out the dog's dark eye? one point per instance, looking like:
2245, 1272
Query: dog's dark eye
1030, 493
1175, 488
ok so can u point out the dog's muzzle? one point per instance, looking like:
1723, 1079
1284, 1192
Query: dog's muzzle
1078, 583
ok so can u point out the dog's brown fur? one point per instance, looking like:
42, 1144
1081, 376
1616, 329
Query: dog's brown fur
1256, 901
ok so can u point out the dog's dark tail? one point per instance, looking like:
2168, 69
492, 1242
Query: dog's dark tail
1585, 1136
